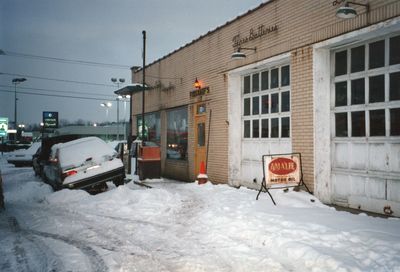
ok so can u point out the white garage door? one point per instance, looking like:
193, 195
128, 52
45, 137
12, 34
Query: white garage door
366, 125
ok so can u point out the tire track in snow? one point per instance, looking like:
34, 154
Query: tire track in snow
52, 263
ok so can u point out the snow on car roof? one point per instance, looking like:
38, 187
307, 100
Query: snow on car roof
75, 153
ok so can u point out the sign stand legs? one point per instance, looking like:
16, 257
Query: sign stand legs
264, 186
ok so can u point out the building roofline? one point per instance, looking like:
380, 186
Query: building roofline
137, 69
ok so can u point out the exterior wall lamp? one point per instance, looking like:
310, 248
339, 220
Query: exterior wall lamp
347, 12
197, 84
238, 55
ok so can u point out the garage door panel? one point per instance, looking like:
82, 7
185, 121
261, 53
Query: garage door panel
378, 155
341, 185
394, 158
376, 188
341, 155
358, 156
393, 188
358, 185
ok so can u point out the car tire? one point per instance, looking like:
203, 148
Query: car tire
119, 181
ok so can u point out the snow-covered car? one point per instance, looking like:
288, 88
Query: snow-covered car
41, 157
23, 157
83, 164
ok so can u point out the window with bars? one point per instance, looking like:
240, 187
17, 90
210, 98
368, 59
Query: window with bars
367, 89
266, 103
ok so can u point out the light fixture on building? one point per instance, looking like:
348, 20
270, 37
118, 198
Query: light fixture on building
197, 84
347, 12
238, 55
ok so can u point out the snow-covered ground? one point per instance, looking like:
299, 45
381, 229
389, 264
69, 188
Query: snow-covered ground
179, 226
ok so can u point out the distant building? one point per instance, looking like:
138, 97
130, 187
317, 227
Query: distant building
107, 133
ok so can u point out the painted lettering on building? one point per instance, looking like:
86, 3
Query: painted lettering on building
254, 33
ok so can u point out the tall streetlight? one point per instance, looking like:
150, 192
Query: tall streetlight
16, 81
106, 105
143, 83
120, 80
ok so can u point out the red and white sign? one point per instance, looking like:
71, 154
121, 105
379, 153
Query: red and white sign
282, 169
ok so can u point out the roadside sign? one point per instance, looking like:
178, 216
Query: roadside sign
3, 126
282, 170
50, 119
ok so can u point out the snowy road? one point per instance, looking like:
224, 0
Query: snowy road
184, 227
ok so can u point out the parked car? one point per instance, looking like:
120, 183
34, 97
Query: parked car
23, 157
41, 157
9, 146
85, 163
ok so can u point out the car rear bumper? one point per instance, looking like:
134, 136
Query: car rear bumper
118, 173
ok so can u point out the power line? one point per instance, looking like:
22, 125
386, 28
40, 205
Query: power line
55, 95
58, 91
63, 60
61, 80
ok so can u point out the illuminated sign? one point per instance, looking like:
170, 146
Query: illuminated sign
3, 126
199, 92
50, 119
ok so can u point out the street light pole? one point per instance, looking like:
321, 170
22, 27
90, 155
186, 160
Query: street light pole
16, 81
114, 80
106, 105
143, 88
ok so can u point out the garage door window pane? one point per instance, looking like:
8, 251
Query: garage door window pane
274, 127
285, 105
246, 108
341, 94
358, 124
358, 59
285, 127
358, 91
256, 128
274, 102
264, 80
264, 128
246, 84
341, 124
377, 89
256, 82
394, 50
394, 86
246, 132
377, 54
274, 78
395, 122
264, 104
285, 75
377, 122
256, 105
341, 63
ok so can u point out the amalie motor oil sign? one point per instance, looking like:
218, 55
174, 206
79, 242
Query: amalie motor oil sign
284, 169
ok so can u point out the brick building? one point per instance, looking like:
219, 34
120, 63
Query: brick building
311, 82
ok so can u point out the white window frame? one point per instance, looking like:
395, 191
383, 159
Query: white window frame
260, 93
386, 70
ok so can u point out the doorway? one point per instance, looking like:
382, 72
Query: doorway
200, 120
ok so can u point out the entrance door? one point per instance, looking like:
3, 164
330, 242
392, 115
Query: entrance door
200, 136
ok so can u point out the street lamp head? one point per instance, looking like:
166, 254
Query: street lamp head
18, 80
109, 104
122, 80
113, 79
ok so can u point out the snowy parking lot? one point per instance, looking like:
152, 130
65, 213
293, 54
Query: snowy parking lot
178, 226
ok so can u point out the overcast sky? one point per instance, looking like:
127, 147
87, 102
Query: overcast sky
100, 31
